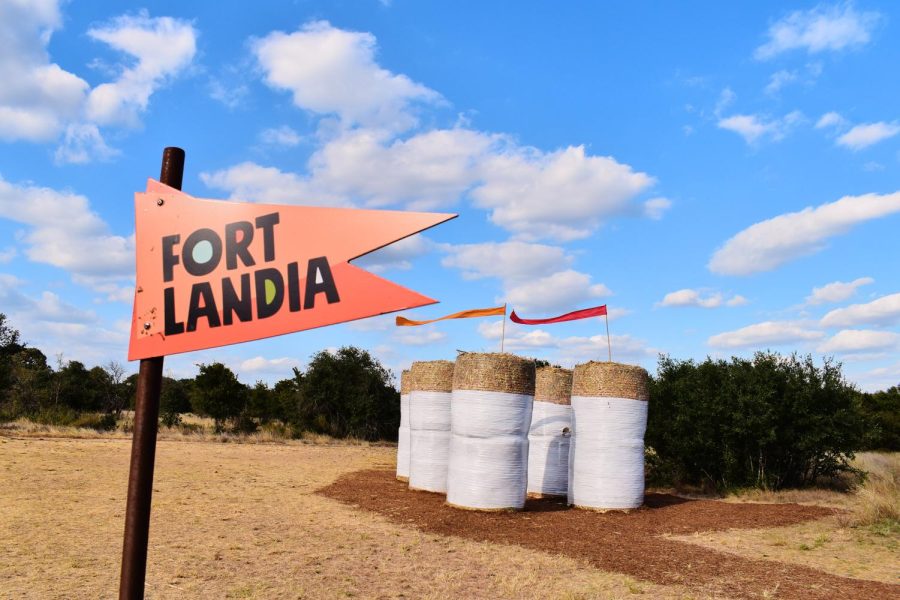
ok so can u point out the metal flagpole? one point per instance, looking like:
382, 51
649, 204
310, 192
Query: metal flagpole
608, 345
143, 444
503, 331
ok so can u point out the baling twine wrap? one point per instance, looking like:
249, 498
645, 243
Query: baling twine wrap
609, 418
403, 433
490, 416
550, 433
429, 403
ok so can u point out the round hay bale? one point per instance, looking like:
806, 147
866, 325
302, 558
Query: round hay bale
429, 402
553, 384
403, 439
550, 433
609, 419
494, 372
610, 380
490, 415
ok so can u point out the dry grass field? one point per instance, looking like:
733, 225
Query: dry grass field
245, 521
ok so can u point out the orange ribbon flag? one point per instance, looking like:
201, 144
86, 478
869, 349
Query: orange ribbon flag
466, 314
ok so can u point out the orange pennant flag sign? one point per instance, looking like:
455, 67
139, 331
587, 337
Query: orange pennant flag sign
212, 273
466, 314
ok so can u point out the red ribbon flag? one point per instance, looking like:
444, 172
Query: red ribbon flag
597, 311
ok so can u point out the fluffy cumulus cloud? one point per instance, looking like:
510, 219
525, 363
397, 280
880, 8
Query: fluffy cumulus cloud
261, 364
40, 102
771, 243
866, 134
701, 299
161, 48
836, 291
37, 97
883, 311
64, 232
568, 350
249, 181
852, 341
280, 136
757, 128
559, 195
418, 336
535, 277
762, 335
326, 69
398, 255
829, 120
819, 29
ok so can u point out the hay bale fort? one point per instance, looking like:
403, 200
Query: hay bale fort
609, 418
550, 433
403, 440
490, 416
431, 384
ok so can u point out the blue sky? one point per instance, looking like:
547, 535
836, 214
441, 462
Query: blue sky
724, 178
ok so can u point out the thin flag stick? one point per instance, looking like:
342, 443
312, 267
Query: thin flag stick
503, 330
608, 345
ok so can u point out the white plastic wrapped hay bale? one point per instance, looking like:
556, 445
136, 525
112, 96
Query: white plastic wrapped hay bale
609, 418
490, 415
429, 424
403, 441
550, 433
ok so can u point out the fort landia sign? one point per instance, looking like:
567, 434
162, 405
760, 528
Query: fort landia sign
212, 273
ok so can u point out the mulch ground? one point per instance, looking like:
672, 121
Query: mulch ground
625, 543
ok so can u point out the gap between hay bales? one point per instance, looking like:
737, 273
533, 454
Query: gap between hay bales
626, 543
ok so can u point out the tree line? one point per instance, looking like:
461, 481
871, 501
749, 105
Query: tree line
769, 421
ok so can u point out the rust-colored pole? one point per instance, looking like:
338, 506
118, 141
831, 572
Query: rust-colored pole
143, 444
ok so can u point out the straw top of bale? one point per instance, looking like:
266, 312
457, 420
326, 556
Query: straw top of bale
494, 372
405, 381
553, 384
610, 380
431, 376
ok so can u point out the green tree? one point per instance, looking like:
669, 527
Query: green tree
217, 393
769, 422
174, 400
349, 393
882, 413
9, 346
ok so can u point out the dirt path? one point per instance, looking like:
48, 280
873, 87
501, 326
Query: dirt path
626, 543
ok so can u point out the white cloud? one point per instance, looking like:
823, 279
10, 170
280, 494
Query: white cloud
561, 290
161, 46
250, 182
819, 29
655, 208
837, 291
726, 99
561, 195
768, 333
7, 254
83, 144
755, 128
37, 97
690, 297
867, 134
771, 243
853, 341
396, 256
65, 232
513, 261
280, 136
260, 364
779, 79
418, 336
831, 119
883, 311
332, 71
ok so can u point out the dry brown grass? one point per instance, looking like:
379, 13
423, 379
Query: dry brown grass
862, 542
242, 521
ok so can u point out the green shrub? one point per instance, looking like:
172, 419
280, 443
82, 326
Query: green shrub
769, 422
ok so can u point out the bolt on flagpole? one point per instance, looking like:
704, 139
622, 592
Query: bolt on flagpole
503, 330
608, 345
143, 443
